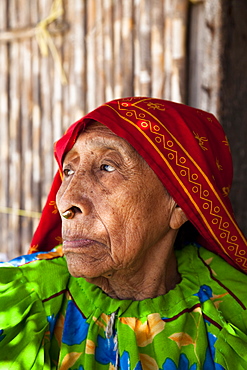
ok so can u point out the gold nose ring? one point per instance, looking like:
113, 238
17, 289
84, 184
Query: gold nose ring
68, 214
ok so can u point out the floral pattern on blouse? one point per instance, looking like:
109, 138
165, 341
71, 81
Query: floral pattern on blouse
66, 323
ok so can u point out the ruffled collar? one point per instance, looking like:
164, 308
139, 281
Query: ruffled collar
90, 298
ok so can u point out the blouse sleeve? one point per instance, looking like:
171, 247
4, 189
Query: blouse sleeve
23, 322
26, 285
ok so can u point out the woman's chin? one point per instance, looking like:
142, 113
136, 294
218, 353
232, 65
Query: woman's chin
82, 269
81, 272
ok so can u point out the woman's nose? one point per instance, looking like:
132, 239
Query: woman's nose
73, 199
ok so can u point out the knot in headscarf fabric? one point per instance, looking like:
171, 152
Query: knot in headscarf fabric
189, 152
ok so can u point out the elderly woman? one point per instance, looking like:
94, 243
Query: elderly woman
154, 270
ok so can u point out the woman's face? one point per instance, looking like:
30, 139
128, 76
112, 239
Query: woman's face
122, 211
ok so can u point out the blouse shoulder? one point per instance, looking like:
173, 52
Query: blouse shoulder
26, 284
225, 275
223, 284
221, 291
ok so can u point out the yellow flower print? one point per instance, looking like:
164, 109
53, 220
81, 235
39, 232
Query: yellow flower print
208, 261
182, 339
58, 331
69, 360
217, 304
198, 310
145, 332
49, 255
216, 299
148, 363
46, 338
90, 347
102, 321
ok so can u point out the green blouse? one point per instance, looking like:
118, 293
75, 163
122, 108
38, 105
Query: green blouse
51, 320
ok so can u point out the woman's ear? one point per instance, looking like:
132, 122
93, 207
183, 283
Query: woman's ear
178, 218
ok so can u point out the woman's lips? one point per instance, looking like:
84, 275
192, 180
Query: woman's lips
86, 251
80, 245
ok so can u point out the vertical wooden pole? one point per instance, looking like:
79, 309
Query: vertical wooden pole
126, 51
74, 61
175, 48
143, 48
204, 55
91, 55
108, 23
157, 49
25, 129
99, 53
117, 48
36, 117
4, 133
47, 90
15, 133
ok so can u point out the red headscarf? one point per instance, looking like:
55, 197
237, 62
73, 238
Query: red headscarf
189, 152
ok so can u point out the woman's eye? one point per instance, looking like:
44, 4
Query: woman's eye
68, 172
107, 168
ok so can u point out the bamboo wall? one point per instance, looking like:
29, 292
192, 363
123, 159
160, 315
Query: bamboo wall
60, 59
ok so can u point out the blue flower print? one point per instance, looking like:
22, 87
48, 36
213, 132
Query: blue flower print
183, 364
105, 352
138, 366
75, 326
27, 258
205, 293
52, 321
210, 355
2, 336
22, 260
125, 362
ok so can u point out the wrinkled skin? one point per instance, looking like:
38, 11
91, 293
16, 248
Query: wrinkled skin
121, 236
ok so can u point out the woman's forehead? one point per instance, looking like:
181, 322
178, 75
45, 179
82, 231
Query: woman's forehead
98, 136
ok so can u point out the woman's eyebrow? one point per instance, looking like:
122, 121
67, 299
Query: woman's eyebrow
71, 156
109, 144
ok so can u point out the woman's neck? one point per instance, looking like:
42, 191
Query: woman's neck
152, 278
